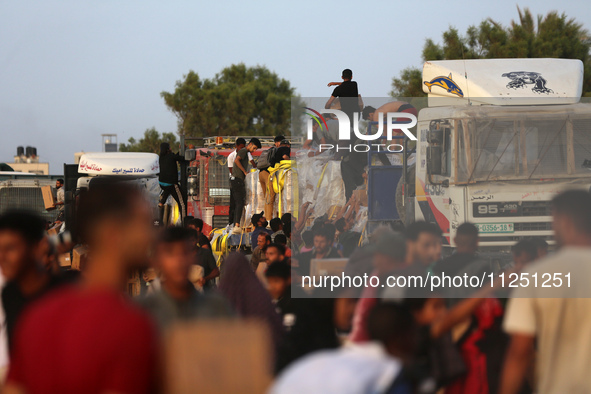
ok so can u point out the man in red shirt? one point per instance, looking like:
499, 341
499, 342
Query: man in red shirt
88, 338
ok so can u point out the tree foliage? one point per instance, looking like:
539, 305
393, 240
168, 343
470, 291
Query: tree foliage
150, 142
554, 36
239, 100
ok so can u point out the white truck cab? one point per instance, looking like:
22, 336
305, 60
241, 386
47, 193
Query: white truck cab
139, 168
499, 139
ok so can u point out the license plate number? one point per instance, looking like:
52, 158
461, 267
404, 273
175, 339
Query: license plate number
488, 228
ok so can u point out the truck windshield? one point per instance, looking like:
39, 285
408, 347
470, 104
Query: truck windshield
524, 148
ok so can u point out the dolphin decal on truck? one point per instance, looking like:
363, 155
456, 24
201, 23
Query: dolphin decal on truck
445, 83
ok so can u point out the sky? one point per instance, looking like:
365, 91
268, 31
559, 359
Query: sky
73, 70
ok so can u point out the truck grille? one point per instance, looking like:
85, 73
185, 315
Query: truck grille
535, 208
533, 226
27, 198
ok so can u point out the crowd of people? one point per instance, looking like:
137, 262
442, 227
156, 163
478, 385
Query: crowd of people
71, 332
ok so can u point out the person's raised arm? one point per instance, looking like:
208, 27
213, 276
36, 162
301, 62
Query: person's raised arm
334, 84
461, 311
329, 102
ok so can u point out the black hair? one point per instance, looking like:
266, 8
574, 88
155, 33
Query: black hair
366, 111
308, 238
576, 205
286, 218
525, 246
281, 239
197, 223
280, 248
415, 229
176, 234
467, 229
255, 141
255, 218
347, 74
187, 220
164, 148
540, 243
27, 224
240, 141
340, 225
275, 224
389, 321
60, 180
278, 269
279, 138
331, 231
324, 231
108, 199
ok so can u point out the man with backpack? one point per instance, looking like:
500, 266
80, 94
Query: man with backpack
263, 165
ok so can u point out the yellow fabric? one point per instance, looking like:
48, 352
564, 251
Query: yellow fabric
277, 175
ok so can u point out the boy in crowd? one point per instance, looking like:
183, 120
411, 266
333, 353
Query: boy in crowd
177, 299
204, 258
423, 244
277, 228
278, 276
197, 225
275, 253
308, 238
281, 239
238, 184
260, 223
524, 252
22, 248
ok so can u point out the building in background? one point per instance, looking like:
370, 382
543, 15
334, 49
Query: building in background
26, 160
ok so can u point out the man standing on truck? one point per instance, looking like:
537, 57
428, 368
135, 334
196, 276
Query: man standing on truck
238, 185
265, 162
240, 143
59, 204
348, 94
169, 180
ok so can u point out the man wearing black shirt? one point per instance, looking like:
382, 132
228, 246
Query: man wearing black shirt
197, 225
22, 241
238, 185
348, 95
169, 179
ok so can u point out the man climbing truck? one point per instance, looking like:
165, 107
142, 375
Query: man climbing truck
498, 140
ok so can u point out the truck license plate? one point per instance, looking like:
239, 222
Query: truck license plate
488, 228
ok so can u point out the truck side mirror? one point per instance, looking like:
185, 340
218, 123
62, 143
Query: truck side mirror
190, 154
434, 160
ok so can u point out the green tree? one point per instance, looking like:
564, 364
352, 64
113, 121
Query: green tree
150, 142
554, 35
239, 100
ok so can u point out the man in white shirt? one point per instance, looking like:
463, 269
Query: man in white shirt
555, 312
240, 143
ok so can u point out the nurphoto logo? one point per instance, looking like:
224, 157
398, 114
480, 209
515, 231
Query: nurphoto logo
396, 122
